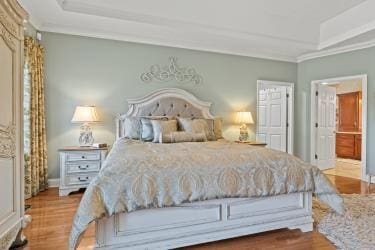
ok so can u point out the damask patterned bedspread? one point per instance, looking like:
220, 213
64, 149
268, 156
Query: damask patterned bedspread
138, 175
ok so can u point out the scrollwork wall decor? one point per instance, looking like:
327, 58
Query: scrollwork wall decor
7, 141
172, 72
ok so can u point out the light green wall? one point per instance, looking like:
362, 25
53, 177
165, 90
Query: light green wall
105, 73
346, 64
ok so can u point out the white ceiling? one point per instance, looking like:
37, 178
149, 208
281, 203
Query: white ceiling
275, 29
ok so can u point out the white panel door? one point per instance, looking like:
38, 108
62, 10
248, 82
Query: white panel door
261, 134
272, 117
326, 126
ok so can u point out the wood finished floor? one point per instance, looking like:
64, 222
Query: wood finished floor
346, 168
52, 217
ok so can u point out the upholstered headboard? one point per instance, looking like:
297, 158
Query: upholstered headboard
165, 102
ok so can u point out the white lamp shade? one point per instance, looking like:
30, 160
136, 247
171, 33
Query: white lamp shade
85, 114
244, 117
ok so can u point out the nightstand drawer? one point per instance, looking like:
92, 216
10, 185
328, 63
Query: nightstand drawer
83, 156
81, 179
82, 167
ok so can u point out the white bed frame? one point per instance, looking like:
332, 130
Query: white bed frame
199, 222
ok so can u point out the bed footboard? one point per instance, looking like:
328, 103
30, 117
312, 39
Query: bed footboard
200, 222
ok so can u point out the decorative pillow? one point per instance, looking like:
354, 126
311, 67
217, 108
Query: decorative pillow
147, 132
218, 124
182, 136
132, 128
199, 125
165, 127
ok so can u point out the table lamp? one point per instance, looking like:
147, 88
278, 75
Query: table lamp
85, 115
244, 118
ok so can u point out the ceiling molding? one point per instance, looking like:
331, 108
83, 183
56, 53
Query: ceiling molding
347, 35
85, 7
35, 22
170, 42
347, 25
335, 51
78, 17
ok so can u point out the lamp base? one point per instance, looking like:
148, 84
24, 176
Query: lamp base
85, 136
244, 135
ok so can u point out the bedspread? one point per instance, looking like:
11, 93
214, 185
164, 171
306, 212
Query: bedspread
138, 175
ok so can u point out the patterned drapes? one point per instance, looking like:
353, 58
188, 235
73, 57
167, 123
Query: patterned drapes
36, 170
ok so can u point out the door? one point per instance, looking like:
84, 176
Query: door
326, 127
11, 168
272, 117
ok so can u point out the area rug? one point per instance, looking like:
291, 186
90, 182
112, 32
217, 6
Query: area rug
353, 230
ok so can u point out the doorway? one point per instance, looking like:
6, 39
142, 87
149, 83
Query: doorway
275, 112
338, 125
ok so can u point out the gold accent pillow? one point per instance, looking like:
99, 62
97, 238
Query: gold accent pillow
199, 125
218, 130
160, 126
182, 136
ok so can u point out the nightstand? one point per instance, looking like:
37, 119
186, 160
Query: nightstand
253, 143
78, 166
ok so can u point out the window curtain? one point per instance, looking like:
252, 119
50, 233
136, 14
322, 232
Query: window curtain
36, 170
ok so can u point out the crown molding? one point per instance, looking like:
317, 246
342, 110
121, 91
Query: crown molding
171, 41
334, 51
347, 35
85, 7
35, 22
32, 19
347, 25
175, 43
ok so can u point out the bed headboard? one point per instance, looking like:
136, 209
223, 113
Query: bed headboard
165, 102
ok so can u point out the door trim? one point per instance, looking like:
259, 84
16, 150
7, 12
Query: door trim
331, 81
290, 109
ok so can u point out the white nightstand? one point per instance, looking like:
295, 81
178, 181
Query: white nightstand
78, 166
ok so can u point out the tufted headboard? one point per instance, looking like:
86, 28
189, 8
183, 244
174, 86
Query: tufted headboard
165, 102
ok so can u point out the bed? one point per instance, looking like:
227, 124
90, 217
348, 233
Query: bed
155, 214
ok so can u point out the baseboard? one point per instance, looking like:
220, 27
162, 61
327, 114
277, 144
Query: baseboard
53, 182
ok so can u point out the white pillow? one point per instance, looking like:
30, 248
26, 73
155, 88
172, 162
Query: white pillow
147, 133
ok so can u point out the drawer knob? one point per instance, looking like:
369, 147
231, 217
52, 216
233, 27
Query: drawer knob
83, 157
83, 167
83, 179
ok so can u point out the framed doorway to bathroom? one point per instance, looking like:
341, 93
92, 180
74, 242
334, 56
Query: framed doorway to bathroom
339, 126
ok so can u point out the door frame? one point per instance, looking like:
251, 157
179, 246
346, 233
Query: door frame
332, 81
290, 113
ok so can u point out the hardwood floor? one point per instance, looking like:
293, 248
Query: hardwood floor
52, 216
346, 168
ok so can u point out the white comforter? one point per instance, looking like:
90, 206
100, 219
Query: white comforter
138, 175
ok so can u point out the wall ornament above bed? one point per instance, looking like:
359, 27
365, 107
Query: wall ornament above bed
172, 72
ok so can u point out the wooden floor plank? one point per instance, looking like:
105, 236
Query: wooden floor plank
52, 218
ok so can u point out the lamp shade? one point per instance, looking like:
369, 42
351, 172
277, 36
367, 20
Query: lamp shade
85, 114
244, 117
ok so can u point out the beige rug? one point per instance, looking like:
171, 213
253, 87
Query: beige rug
353, 230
